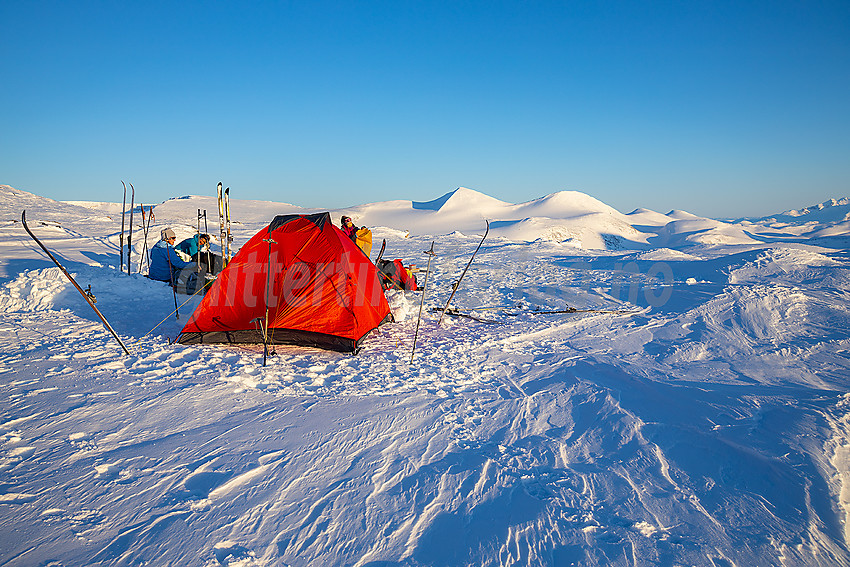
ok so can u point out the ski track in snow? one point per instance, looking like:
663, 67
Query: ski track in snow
712, 429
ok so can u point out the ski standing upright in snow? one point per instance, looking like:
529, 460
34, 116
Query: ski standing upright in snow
85, 293
221, 230
121, 237
463, 273
227, 224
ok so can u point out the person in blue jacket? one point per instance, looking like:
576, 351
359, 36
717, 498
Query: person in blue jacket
192, 245
162, 253
198, 245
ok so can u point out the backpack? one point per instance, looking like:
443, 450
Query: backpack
364, 240
396, 276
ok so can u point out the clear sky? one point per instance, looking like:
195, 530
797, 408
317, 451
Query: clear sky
721, 108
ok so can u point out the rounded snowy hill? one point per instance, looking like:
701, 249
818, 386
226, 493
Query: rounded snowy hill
567, 216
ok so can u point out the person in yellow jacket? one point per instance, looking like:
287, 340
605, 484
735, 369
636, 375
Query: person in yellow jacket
362, 237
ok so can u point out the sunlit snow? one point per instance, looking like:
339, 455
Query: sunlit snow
696, 414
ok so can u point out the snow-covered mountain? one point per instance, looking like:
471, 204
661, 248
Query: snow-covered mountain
694, 411
829, 220
834, 210
569, 217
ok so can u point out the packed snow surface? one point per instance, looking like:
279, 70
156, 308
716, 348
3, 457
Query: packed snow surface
693, 411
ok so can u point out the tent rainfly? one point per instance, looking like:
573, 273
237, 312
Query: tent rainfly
301, 279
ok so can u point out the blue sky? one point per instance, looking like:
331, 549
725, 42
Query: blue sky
719, 108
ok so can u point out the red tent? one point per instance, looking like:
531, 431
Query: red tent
322, 290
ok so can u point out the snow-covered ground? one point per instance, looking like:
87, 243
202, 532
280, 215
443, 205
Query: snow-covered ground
705, 420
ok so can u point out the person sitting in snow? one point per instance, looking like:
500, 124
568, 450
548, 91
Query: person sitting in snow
348, 228
362, 236
165, 263
196, 246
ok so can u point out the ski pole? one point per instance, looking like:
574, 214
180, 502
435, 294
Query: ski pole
145, 244
430, 253
171, 281
130, 234
199, 241
142, 257
463, 273
167, 316
151, 218
210, 264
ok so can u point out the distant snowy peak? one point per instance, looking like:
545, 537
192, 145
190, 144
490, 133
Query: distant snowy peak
818, 207
829, 218
461, 199
648, 218
565, 204
677, 214
833, 210
571, 217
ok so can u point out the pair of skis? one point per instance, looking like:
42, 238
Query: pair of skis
146, 223
224, 224
130, 234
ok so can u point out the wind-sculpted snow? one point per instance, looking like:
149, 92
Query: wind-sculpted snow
696, 414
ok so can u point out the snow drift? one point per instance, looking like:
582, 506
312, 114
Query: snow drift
697, 415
